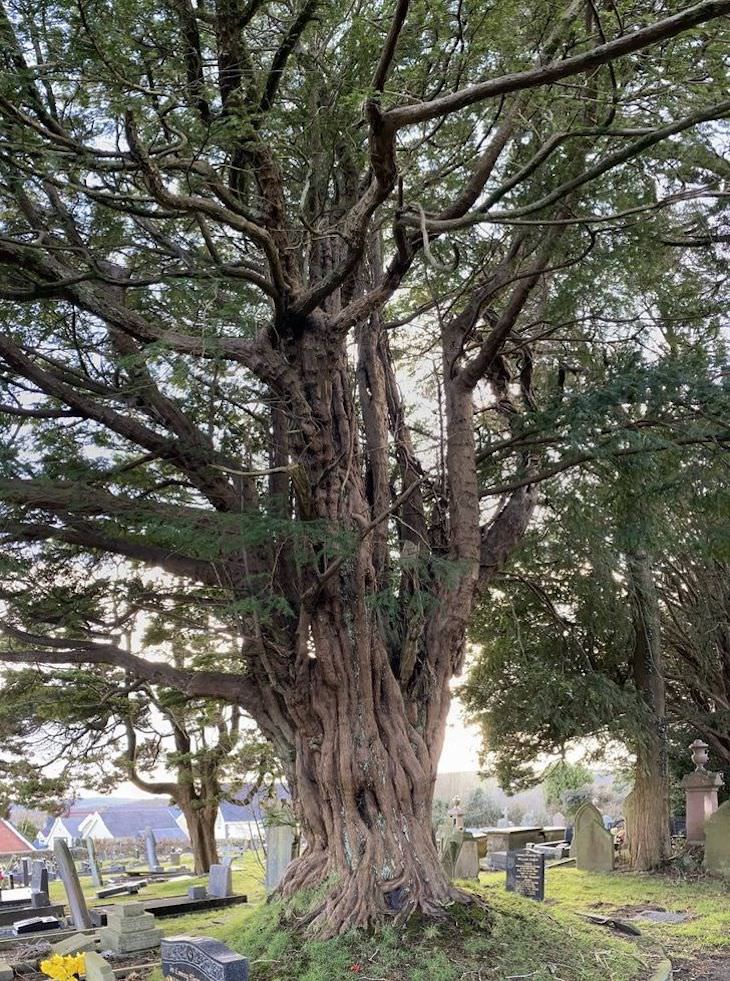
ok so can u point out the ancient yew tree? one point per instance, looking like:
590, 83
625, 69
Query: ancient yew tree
284, 286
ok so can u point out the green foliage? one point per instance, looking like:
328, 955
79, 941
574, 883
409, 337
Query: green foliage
562, 777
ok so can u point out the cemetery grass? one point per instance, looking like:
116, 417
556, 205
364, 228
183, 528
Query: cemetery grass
705, 900
516, 937
247, 879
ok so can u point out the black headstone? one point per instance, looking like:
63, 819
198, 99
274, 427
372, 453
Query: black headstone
526, 873
35, 924
201, 959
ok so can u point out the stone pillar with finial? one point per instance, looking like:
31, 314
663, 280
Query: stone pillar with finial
456, 813
701, 789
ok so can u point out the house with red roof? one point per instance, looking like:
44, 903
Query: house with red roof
11, 839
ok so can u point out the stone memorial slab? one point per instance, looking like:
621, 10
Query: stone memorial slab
78, 943
197, 892
201, 959
97, 968
26, 870
150, 845
39, 899
35, 924
717, 841
494, 862
279, 847
70, 879
94, 868
526, 874
467, 861
592, 846
220, 881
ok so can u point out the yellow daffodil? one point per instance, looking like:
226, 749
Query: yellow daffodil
64, 968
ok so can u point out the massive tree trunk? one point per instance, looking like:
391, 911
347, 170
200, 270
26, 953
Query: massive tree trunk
648, 816
200, 819
364, 778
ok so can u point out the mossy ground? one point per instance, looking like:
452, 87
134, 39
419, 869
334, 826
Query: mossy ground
518, 937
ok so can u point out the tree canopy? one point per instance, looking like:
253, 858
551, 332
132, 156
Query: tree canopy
291, 292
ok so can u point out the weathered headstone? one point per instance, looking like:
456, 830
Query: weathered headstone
34, 924
443, 833
467, 861
78, 943
26, 869
717, 841
526, 873
70, 879
39, 899
220, 881
201, 959
197, 892
279, 846
97, 968
124, 888
151, 848
175, 858
494, 862
592, 845
96, 877
129, 929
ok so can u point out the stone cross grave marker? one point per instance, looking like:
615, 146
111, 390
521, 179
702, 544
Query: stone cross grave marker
592, 845
151, 849
70, 879
717, 841
220, 881
279, 845
526, 873
201, 959
96, 878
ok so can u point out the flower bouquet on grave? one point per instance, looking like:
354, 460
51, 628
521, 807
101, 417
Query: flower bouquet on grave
64, 967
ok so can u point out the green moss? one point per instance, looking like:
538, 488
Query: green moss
511, 936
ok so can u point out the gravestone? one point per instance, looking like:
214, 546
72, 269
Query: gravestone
151, 848
494, 862
34, 924
175, 858
279, 847
129, 929
443, 832
96, 878
220, 881
25, 866
39, 899
559, 820
717, 841
70, 879
77, 944
97, 968
592, 845
526, 873
467, 861
197, 892
201, 959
